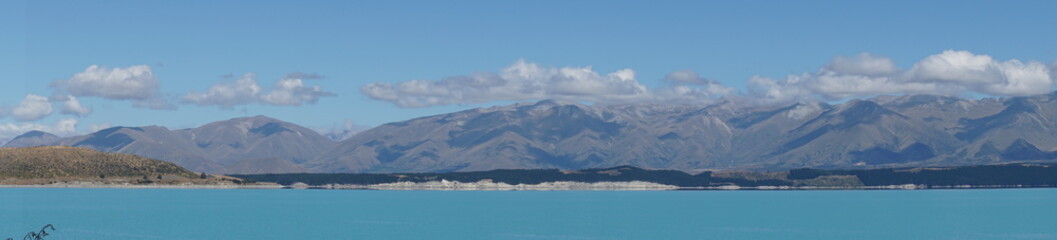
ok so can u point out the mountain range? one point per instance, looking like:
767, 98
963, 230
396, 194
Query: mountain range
885, 131
242, 145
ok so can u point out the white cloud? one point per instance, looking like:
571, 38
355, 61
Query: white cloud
288, 91
804, 110
345, 130
1053, 72
863, 64
227, 95
981, 73
292, 92
843, 77
95, 127
134, 83
131, 82
764, 90
32, 108
861, 75
947, 73
529, 81
832, 85
63, 127
71, 106
688, 86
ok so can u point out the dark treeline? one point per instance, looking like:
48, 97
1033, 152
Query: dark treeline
988, 175
1028, 175
527, 176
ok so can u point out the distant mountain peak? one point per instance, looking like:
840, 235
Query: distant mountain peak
553, 102
32, 138
269, 129
264, 118
259, 124
258, 119
34, 133
979, 127
914, 100
540, 105
851, 113
1020, 105
863, 111
212, 146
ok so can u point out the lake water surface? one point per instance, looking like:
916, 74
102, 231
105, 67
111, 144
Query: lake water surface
338, 214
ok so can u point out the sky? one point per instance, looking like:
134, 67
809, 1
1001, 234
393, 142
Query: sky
72, 67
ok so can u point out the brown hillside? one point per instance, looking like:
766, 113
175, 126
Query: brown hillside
51, 162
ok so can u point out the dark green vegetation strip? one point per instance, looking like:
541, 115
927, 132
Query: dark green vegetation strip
536, 176
1024, 175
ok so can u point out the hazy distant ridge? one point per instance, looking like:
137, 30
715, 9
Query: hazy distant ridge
213, 147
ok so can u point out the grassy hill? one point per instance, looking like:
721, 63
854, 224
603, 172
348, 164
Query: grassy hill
50, 164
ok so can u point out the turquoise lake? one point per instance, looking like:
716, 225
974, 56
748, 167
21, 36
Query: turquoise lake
345, 214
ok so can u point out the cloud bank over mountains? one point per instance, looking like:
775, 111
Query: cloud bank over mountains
138, 85
133, 83
288, 91
864, 75
951, 73
947, 73
529, 81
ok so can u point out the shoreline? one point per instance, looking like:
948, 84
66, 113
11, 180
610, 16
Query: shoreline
144, 186
492, 186
886, 187
445, 185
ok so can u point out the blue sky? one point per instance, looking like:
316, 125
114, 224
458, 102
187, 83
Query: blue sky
191, 46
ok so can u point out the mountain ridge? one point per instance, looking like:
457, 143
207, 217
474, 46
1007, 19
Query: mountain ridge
32, 139
211, 147
899, 131
884, 131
